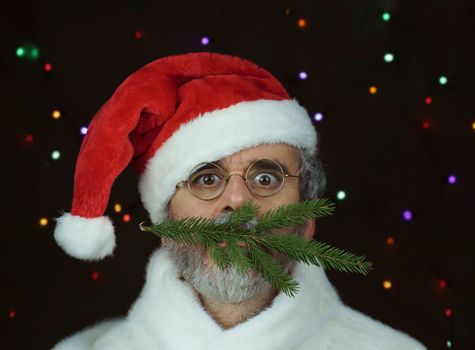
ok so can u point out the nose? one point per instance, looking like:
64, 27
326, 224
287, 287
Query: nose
235, 194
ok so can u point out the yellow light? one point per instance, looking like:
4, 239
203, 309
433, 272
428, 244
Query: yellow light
56, 114
117, 208
387, 284
473, 125
43, 222
390, 241
302, 22
373, 90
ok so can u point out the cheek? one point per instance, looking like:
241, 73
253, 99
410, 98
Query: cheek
183, 205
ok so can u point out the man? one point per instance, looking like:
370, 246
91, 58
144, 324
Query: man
207, 133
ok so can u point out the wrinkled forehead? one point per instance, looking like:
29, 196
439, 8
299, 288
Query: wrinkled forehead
284, 154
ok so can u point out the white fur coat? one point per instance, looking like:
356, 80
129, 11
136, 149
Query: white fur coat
168, 316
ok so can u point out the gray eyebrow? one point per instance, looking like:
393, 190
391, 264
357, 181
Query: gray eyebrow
220, 163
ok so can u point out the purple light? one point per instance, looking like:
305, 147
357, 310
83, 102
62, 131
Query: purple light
407, 215
318, 117
83, 130
452, 179
204, 40
303, 75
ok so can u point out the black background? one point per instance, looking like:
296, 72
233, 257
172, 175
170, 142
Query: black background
372, 146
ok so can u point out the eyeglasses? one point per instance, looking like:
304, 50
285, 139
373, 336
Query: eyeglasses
263, 178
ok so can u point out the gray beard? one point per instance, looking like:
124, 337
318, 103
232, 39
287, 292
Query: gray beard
227, 285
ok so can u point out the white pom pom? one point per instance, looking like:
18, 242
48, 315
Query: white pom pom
85, 238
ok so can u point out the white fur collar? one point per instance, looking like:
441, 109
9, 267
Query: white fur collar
170, 315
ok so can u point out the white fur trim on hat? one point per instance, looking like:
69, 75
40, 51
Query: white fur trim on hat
85, 238
217, 134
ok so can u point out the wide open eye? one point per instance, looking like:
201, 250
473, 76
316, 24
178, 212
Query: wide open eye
265, 177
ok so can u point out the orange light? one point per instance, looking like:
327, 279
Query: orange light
56, 114
387, 284
390, 241
473, 126
43, 222
373, 90
126, 218
302, 22
117, 207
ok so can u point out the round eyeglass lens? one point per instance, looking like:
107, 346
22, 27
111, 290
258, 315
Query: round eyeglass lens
206, 181
265, 177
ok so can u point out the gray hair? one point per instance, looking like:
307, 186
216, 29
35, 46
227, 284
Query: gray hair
312, 179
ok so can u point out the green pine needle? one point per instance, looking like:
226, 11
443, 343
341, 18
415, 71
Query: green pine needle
206, 232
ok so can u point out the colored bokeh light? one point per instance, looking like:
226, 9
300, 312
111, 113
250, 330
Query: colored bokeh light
387, 284
95, 275
28, 52
138, 34
373, 90
442, 284
388, 57
204, 41
386, 16
449, 344
318, 117
426, 125
83, 130
407, 215
303, 75
47, 67
117, 207
12, 314
126, 218
473, 126
341, 195
56, 114
452, 179
443, 80
302, 22
448, 312
428, 100
390, 241
43, 222
55, 155
29, 138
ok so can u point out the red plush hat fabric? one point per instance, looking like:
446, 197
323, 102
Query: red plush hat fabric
157, 119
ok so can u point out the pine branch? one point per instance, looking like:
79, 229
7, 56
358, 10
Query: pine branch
207, 232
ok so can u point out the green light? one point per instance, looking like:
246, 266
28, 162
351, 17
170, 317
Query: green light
341, 195
386, 16
20, 52
28, 52
35, 53
443, 80
449, 344
55, 155
389, 57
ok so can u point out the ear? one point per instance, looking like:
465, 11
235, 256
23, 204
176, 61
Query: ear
309, 229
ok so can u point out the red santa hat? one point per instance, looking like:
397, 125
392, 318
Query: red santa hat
166, 118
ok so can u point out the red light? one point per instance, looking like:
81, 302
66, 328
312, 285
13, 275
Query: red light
95, 275
29, 138
448, 312
426, 125
11, 314
442, 284
126, 218
48, 67
138, 35
428, 100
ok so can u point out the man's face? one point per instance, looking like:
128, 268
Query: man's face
193, 262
